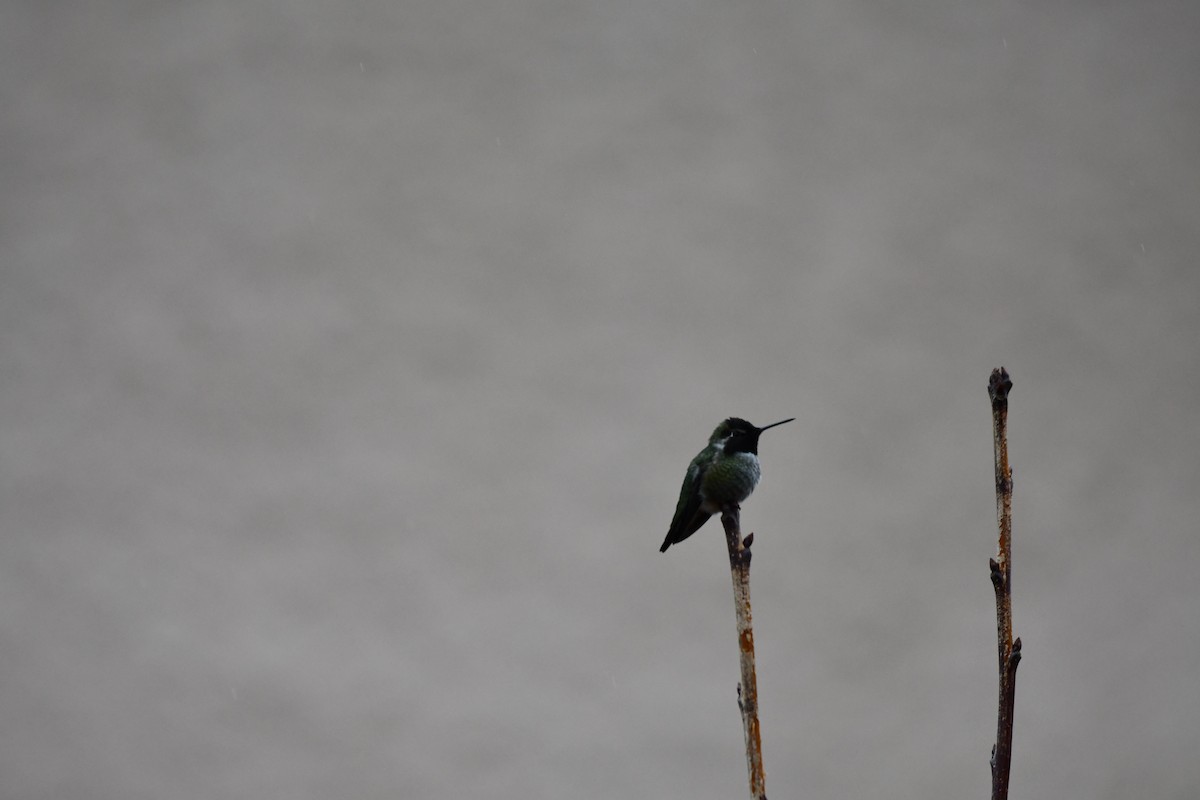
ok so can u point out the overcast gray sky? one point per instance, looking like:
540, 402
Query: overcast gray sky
351, 355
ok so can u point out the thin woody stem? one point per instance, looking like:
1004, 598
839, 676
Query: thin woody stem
739, 564
1008, 649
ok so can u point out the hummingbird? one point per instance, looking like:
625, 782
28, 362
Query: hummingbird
722, 474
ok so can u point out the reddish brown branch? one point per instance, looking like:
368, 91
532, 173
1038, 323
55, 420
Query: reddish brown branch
1009, 650
739, 564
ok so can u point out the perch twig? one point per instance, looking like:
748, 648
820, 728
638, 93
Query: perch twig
739, 565
1001, 568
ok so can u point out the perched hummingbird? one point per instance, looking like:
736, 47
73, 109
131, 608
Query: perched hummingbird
724, 473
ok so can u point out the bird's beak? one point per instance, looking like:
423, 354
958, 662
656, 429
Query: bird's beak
773, 424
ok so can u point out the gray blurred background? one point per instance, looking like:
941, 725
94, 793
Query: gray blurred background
351, 356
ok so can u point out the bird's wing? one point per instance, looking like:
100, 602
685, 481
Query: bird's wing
685, 522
